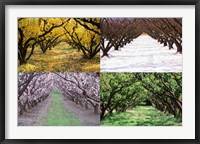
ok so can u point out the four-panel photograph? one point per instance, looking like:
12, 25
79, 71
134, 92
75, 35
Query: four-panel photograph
99, 71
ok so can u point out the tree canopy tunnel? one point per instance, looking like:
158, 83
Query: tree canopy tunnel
118, 32
80, 88
82, 34
124, 91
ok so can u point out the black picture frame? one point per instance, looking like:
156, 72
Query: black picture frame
3, 72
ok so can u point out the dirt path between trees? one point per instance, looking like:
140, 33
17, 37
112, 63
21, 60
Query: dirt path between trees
34, 115
86, 117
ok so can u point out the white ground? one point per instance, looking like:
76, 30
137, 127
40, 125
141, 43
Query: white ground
143, 54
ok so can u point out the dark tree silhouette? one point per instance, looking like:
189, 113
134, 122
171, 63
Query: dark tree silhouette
117, 32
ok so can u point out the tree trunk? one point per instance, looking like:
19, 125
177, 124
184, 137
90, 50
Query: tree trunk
116, 48
179, 47
102, 113
21, 111
22, 61
170, 45
105, 53
29, 106
96, 108
165, 43
86, 105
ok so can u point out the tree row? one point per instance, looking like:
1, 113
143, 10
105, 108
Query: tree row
118, 32
80, 88
124, 91
82, 34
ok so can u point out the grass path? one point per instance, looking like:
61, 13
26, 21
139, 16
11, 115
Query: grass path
86, 116
57, 114
141, 116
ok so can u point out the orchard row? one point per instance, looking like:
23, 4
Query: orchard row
90, 35
104, 93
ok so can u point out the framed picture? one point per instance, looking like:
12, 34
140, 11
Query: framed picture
99, 71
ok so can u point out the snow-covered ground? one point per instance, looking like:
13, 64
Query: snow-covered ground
143, 54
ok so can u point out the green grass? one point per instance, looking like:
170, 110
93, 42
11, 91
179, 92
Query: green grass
141, 116
58, 115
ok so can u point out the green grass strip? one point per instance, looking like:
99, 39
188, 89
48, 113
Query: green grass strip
58, 115
141, 116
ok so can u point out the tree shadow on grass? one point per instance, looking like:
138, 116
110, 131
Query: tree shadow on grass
141, 116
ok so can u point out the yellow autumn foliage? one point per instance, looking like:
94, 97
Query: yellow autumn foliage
61, 58
83, 34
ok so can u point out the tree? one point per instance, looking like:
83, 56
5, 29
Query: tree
84, 35
32, 31
117, 32
123, 91
32, 89
81, 88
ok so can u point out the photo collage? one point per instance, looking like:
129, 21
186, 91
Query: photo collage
99, 71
